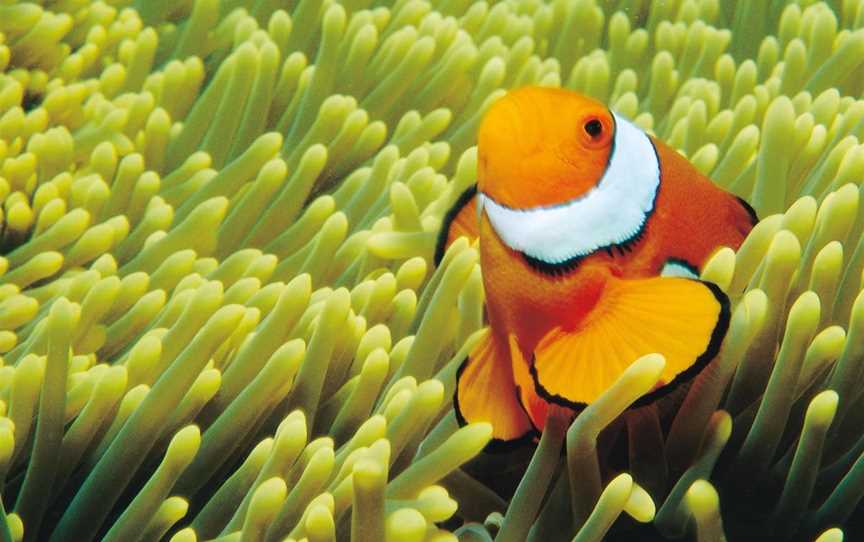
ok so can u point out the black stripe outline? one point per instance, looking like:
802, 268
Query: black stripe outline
463, 200
754, 218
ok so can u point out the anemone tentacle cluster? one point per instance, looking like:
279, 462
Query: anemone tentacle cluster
219, 317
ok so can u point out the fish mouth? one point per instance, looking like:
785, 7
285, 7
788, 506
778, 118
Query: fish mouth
611, 216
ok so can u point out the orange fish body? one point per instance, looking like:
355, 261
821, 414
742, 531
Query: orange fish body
581, 213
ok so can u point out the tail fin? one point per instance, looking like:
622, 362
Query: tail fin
683, 319
460, 220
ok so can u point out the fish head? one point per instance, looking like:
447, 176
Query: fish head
541, 146
561, 177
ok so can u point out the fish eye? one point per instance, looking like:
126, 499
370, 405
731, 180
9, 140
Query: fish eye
594, 128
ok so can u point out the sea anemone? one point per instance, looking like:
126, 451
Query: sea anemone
219, 317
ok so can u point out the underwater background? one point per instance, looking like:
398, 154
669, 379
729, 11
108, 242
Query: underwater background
220, 320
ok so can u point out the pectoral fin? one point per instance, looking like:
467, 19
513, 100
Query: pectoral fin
461, 220
486, 392
683, 319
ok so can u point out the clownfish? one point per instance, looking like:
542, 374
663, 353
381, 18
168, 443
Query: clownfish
592, 234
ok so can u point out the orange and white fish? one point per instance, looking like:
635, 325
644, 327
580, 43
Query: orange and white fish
592, 234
